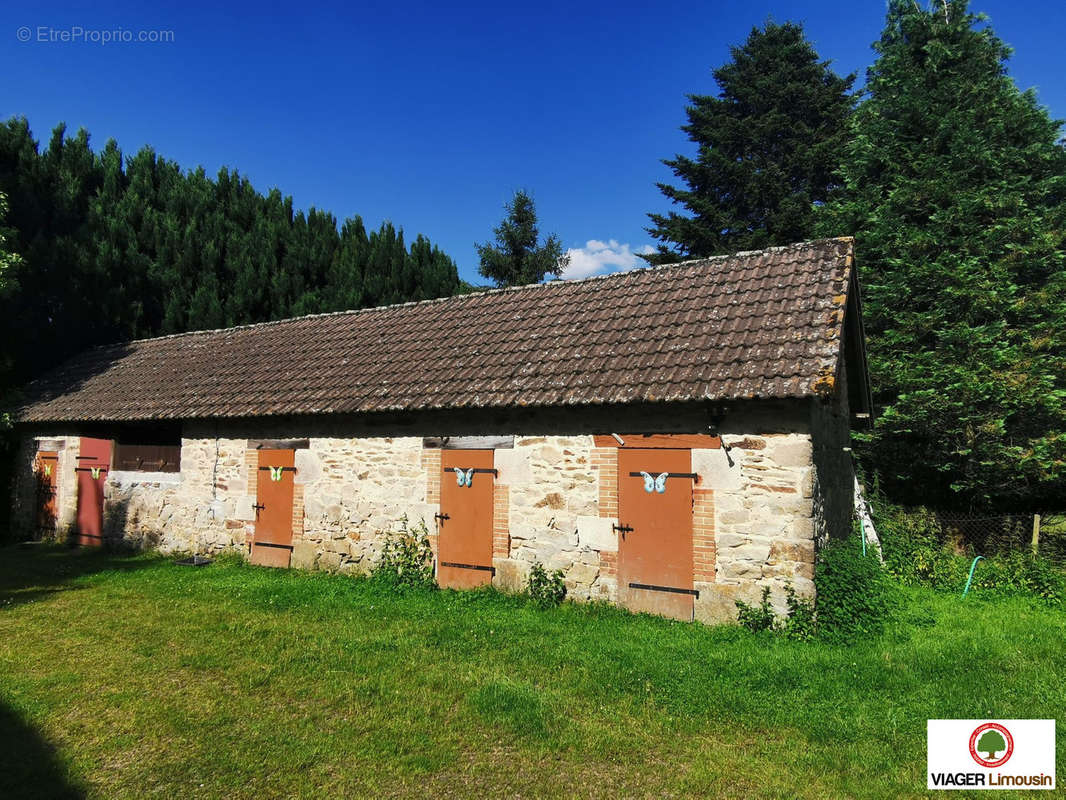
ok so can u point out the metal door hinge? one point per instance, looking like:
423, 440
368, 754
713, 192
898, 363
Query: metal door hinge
671, 589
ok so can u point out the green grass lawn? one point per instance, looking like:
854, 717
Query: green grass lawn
133, 677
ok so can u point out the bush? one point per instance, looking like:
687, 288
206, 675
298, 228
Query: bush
546, 589
917, 554
1020, 574
406, 558
757, 618
801, 622
855, 595
798, 623
915, 550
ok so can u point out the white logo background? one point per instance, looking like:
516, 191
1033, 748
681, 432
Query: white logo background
948, 743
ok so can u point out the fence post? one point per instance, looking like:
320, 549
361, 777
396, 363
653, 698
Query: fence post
1036, 533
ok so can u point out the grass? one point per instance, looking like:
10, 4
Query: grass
132, 677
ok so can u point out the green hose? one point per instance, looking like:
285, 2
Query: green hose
969, 580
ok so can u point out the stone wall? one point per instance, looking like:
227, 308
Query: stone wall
555, 515
764, 527
195, 510
757, 508
355, 490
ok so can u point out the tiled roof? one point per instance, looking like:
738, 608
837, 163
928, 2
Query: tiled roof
763, 324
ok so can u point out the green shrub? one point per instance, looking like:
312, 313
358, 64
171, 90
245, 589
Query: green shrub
546, 589
1020, 574
917, 554
406, 557
801, 622
915, 550
757, 618
798, 623
855, 595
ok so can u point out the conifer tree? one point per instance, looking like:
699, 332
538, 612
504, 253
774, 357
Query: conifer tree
9, 260
956, 189
115, 249
767, 148
518, 257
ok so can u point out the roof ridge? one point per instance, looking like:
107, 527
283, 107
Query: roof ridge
544, 285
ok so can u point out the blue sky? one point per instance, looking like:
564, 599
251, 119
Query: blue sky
431, 114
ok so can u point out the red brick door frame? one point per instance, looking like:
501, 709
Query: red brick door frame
271, 544
467, 519
655, 547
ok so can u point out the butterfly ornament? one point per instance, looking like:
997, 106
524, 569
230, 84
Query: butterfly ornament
275, 474
95, 471
463, 478
47, 470
655, 483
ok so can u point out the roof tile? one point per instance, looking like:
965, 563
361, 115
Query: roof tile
745, 325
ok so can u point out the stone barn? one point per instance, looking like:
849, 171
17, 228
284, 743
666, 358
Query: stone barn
671, 438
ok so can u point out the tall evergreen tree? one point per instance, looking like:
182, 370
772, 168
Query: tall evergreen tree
956, 188
117, 248
9, 260
517, 257
767, 149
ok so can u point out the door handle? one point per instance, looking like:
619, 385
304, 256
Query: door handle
441, 517
258, 507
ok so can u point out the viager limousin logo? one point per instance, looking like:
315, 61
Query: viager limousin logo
991, 754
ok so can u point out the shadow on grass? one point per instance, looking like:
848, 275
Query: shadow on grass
29, 573
29, 765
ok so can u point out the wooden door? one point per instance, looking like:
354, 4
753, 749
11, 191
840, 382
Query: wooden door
272, 541
46, 474
94, 461
655, 543
464, 548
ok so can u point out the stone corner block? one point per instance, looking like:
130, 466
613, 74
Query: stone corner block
713, 468
304, 555
513, 467
717, 603
421, 512
510, 575
244, 509
308, 466
597, 533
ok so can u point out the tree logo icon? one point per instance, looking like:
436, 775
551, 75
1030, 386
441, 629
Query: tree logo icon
991, 744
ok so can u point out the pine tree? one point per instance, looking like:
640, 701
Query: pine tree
115, 249
10, 261
767, 149
517, 257
346, 274
956, 188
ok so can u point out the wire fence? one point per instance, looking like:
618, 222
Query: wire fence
1002, 534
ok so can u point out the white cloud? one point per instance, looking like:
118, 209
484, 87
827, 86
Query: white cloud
598, 257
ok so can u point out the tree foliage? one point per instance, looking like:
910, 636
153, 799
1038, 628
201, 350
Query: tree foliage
767, 149
9, 261
991, 742
518, 257
114, 248
955, 184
